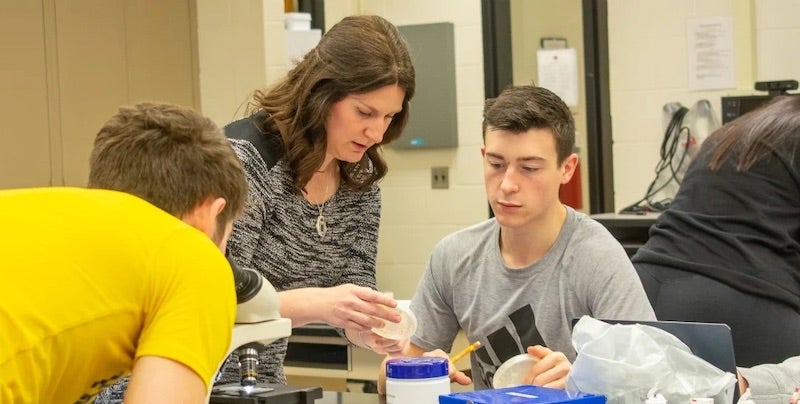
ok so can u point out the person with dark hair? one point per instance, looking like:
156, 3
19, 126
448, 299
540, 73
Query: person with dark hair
516, 282
311, 154
728, 248
114, 280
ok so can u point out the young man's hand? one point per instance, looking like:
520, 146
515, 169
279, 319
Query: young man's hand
551, 370
456, 376
742, 383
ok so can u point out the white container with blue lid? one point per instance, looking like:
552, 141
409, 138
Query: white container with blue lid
418, 380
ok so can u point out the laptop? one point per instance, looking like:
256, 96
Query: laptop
712, 342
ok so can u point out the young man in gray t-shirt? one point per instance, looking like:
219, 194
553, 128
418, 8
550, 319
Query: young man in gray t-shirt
515, 282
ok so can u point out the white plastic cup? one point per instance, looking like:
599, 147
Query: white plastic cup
417, 380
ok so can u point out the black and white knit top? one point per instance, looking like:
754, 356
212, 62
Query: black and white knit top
277, 236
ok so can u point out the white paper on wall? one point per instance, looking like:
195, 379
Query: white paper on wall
710, 47
558, 72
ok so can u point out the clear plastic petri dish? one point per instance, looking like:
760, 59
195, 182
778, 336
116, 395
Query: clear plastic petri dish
512, 371
404, 329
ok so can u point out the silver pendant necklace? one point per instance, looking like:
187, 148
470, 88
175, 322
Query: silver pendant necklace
322, 225
322, 221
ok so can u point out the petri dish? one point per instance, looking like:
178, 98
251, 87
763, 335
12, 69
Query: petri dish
512, 371
404, 329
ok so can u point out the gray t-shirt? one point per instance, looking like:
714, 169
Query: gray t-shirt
468, 286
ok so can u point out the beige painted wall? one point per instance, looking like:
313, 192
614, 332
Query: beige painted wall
240, 48
24, 127
68, 65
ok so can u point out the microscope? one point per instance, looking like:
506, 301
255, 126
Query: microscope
258, 321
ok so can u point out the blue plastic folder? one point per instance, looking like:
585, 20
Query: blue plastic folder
522, 395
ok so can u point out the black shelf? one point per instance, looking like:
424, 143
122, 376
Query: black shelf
631, 230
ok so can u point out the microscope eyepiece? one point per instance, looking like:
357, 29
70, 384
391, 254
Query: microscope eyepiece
247, 281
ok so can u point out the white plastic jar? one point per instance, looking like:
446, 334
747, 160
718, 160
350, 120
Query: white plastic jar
417, 380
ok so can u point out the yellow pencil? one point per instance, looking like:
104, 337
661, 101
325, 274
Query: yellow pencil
466, 350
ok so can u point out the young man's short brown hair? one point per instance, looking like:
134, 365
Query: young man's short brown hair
169, 155
520, 108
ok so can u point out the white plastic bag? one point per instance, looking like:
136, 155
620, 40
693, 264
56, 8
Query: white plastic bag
625, 362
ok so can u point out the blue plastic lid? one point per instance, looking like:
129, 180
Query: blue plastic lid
417, 367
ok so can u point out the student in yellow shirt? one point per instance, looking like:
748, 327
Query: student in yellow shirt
101, 283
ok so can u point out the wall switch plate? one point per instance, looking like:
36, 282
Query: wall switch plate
440, 177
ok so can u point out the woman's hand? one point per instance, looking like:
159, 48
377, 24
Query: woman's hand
355, 307
381, 345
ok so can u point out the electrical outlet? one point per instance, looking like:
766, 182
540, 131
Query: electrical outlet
440, 178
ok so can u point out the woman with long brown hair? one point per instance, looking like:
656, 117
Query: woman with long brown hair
312, 158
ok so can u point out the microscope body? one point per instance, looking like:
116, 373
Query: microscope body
258, 322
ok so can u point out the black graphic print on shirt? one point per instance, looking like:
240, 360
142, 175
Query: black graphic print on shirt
506, 342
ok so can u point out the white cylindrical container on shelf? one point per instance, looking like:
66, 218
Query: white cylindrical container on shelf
297, 21
417, 380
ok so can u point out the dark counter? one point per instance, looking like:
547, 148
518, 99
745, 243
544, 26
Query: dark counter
330, 397
294, 395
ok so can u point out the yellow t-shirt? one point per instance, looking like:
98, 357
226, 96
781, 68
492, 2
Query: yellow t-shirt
90, 280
